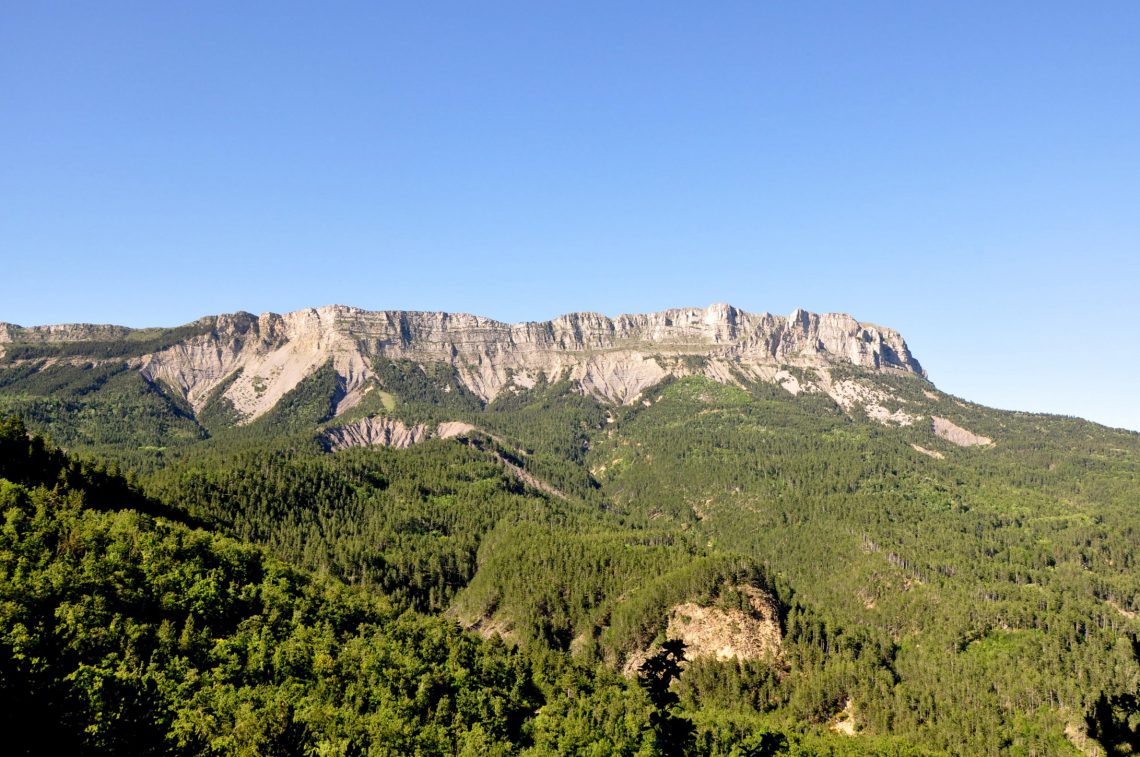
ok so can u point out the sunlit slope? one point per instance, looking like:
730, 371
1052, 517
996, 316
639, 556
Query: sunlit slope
1004, 573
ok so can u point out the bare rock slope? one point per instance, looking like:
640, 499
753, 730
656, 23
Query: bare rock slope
390, 432
255, 360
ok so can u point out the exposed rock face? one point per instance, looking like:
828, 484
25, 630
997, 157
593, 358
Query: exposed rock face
264, 357
929, 452
378, 431
69, 332
273, 353
955, 434
851, 394
452, 429
724, 634
728, 634
389, 432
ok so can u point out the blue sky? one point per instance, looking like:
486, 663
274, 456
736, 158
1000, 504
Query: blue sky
967, 173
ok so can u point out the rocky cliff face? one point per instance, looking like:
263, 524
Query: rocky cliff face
68, 332
262, 358
390, 432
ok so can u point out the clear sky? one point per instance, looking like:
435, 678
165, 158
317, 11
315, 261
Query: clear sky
967, 173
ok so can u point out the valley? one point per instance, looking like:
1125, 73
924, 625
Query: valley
523, 516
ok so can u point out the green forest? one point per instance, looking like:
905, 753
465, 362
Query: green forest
174, 581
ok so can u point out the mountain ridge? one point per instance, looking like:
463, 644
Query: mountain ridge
264, 357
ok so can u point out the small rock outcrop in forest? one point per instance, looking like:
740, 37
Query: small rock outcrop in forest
723, 633
390, 432
955, 434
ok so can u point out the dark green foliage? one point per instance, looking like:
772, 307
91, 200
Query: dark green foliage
309, 403
218, 411
752, 685
674, 733
660, 670
374, 401
553, 585
96, 405
431, 392
300, 410
1115, 722
640, 618
407, 522
136, 343
553, 425
29, 460
730, 739
985, 589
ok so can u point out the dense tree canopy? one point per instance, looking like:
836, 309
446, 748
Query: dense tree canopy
176, 582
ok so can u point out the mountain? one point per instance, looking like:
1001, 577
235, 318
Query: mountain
239, 367
252, 362
852, 560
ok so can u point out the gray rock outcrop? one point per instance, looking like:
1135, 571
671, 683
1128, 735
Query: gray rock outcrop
264, 357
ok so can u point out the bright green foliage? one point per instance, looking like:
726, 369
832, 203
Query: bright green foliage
123, 633
128, 634
981, 603
133, 635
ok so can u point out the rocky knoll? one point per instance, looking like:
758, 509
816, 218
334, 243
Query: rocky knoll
255, 360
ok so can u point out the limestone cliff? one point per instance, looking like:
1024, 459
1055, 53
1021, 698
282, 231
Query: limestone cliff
261, 358
68, 332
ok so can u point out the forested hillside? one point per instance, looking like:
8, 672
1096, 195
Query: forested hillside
906, 574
